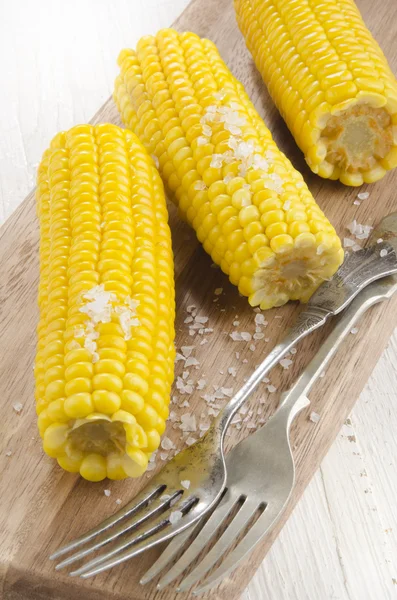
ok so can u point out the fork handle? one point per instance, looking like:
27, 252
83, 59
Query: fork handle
373, 294
309, 319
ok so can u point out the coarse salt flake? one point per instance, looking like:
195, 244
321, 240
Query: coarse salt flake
314, 417
107, 493
383, 253
17, 407
175, 516
186, 484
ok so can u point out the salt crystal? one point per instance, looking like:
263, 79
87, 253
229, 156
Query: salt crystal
179, 357
348, 242
200, 185
245, 361
293, 351
286, 363
258, 336
201, 320
8, 453
191, 362
191, 308
251, 425
163, 456
236, 323
246, 336
322, 374
232, 371
252, 347
203, 342
188, 422
17, 407
118, 501
186, 484
227, 392
383, 253
237, 355
167, 444
175, 516
314, 417
354, 330
363, 195
379, 240
190, 441
236, 336
271, 388
188, 320
218, 291
107, 493
265, 380
260, 320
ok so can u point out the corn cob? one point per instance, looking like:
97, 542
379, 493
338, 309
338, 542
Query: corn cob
249, 207
330, 82
105, 354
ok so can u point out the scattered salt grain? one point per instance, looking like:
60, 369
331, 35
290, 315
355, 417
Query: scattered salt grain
107, 493
167, 444
260, 320
190, 441
314, 417
8, 453
186, 484
236, 323
293, 351
179, 357
236, 336
118, 501
191, 308
237, 355
218, 291
252, 347
188, 422
271, 389
258, 336
232, 371
379, 240
175, 516
191, 362
17, 407
322, 375
266, 380
245, 361
246, 336
363, 195
286, 363
204, 341
354, 330
383, 253
188, 320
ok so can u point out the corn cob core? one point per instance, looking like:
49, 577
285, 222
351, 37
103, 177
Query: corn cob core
329, 80
249, 207
105, 354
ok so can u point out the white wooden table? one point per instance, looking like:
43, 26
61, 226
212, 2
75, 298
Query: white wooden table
57, 61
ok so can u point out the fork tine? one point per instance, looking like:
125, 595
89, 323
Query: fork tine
152, 535
129, 509
239, 522
167, 556
126, 525
260, 528
210, 528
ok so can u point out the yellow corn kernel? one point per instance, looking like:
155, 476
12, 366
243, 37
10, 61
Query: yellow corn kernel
330, 81
245, 201
106, 299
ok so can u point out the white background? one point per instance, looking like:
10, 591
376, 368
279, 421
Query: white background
57, 65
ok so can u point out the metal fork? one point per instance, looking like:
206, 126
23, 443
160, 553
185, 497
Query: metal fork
260, 473
203, 463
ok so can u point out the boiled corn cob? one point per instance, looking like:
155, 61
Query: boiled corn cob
249, 207
105, 355
330, 82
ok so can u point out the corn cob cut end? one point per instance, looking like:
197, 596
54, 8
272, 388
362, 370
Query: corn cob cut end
105, 355
357, 142
297, 268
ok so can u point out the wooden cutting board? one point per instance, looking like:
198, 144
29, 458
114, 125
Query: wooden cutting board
40, 505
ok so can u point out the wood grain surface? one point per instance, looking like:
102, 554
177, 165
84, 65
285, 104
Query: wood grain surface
41, 506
